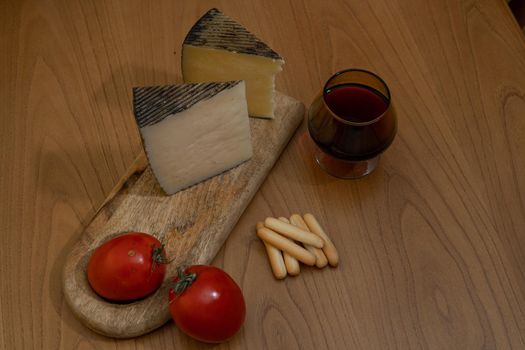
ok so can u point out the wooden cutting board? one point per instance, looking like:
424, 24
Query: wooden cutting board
194, 223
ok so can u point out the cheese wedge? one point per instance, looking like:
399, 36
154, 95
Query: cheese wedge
192, 132
217, 48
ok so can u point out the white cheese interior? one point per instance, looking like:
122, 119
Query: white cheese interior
208, 138
202, 64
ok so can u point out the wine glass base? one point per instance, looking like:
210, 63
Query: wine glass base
345, 169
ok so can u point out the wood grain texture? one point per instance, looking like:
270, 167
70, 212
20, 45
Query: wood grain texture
431, 245
193, 224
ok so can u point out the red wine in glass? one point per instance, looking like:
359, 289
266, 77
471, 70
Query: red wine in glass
352, 122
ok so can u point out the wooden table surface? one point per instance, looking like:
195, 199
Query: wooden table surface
432, 244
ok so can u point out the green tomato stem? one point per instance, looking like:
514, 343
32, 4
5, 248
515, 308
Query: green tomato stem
185, 280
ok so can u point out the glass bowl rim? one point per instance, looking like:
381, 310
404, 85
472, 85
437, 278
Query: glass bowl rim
344, 121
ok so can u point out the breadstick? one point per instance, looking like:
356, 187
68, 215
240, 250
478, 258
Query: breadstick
294, 232
286, 245
329, 247
276, 261
320, 258
275, 257
291, 263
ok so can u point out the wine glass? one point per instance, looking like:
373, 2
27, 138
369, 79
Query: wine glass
352, 122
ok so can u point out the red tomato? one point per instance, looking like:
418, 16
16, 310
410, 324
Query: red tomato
207, 304
128, 267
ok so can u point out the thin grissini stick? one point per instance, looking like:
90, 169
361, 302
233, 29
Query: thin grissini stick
294, 232
329, 247
275, 257
291, 263
276, 261
320, 258
286, 245
282, 218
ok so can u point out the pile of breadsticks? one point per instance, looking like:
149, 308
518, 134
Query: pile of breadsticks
299, 239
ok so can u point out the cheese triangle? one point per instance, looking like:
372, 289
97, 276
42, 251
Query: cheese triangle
217, 48
192, 132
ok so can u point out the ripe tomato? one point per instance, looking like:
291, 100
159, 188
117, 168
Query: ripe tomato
207, 304
128, 267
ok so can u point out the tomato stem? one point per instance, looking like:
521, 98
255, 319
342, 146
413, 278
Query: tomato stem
159, 256
184, 280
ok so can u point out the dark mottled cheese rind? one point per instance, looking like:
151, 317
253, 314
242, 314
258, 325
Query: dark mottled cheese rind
218, 31
152, 104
